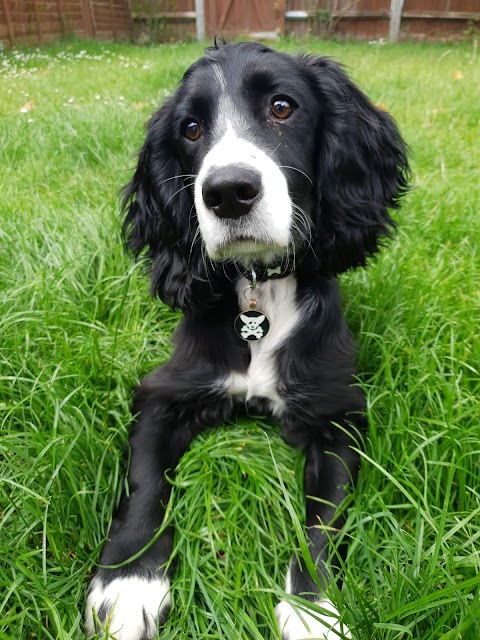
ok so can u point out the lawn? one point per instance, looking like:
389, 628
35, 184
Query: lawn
78, 330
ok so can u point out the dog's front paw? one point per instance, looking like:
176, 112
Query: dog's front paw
297, 623
129, 608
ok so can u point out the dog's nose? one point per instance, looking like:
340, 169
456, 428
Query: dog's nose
230, 192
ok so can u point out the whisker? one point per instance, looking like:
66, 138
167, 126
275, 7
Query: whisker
224, 270
304, 218
301, 233
294, 255
195, 238
224, 266
272, 152
190, 217
237, 268
299, 213
284, 166
176, 192
204, 260
183, 175
203, 253
290, 250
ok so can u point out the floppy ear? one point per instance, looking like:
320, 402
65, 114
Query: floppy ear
158, 217
362, 170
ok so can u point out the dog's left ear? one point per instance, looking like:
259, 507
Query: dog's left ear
362, 170
157, 204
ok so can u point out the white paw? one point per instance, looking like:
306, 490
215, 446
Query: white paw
298, 623
128, 608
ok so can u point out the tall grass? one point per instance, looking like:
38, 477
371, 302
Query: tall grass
78, 330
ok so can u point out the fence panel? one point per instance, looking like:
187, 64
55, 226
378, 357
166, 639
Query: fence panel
37, 21
369, 19
165, 20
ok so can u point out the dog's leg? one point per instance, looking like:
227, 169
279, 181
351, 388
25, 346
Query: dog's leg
132, 599
328, 468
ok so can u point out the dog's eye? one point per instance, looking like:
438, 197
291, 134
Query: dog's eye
191, 130
281, 108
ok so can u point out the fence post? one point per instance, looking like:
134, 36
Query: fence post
11, 33
112, 18
200, 19
60, 18
396, 7
88, 19
281, 7
39, 25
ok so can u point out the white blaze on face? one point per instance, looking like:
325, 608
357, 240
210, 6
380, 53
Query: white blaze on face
267, 227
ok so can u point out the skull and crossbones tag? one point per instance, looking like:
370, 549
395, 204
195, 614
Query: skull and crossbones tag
251, 325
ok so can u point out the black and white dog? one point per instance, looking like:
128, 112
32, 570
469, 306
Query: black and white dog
261, 179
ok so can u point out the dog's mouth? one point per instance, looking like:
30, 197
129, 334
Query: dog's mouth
249, 250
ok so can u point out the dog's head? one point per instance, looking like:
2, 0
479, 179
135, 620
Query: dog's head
263, 157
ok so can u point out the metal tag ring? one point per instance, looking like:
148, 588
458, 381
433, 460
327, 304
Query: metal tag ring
252, 293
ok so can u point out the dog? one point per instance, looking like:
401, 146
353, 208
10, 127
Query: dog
261, 179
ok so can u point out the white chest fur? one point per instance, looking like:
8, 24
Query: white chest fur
277, 302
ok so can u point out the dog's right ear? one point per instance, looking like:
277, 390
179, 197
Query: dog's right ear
362, 170
157, 204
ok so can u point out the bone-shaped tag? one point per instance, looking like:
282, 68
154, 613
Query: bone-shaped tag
274, 272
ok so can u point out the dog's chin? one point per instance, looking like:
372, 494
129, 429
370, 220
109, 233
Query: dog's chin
248, 251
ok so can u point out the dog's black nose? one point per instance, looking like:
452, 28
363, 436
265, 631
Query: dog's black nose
230, 192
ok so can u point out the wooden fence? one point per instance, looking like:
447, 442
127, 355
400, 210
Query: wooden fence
369, 19
361, 19
37, 21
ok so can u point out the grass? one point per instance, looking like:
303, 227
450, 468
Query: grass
78, 330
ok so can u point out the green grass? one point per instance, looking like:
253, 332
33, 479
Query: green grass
78, 330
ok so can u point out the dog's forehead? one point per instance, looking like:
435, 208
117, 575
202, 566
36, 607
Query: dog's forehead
245, 61
237, 70
226, 81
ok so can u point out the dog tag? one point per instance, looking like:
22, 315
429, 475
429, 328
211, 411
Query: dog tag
251, 325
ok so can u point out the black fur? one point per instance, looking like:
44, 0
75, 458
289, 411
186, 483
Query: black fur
353, 169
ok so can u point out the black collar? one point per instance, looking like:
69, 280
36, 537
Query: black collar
262, 272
